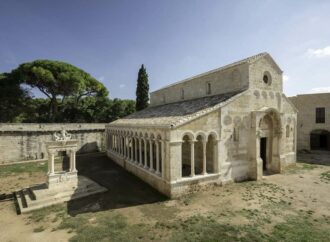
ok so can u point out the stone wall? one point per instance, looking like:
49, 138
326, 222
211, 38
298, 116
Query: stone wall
221, 81
21, 142
306, 105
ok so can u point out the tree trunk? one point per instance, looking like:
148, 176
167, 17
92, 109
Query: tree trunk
54, 108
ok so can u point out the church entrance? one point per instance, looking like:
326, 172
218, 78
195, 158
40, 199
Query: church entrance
263, 152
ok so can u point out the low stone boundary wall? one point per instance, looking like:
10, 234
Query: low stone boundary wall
22, 142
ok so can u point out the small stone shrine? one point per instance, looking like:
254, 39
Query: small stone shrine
62, 142
61, 186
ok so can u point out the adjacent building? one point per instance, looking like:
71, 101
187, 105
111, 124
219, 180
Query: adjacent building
230, 124
313, 121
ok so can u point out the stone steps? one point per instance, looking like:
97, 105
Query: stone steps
33, 198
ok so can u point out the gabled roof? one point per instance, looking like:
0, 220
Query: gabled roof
248, 60
175, 114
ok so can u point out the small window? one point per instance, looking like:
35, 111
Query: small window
236, 134
182, 93
287, 131
320, 115
208, 88
267, 79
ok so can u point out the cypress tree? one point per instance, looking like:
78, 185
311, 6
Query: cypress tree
142, 89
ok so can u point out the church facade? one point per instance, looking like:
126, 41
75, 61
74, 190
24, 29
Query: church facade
230, 124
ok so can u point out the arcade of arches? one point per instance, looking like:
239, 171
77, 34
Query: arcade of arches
146, 150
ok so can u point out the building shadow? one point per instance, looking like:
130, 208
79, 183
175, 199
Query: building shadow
89, 147
317, 157
124, 189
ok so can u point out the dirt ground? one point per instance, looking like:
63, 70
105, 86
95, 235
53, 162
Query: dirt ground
293, 206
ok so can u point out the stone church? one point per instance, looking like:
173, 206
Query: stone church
230, 124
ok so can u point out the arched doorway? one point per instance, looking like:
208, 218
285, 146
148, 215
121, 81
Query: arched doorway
266, 133
320, 140
269, 142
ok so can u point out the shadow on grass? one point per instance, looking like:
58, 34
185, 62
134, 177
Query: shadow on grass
124, 189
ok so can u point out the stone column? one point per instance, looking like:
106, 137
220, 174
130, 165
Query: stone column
192, 158
157, 157
162, 160
135, 150
109, 141
127, 148
145, 153
140, 152
151, 168
119, 144
51, 163
132, 151
73, 162
124, 146
204, 157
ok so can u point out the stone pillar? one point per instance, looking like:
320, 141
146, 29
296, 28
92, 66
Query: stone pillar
162, 160
151, 155
124, 146
135, 150
145, 153
109, 141
127, 147
192, 158
73, 162
157, 157
204, 157
119, 144
140, 152
132, 151
51, 163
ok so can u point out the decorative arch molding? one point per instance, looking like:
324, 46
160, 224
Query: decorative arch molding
214, 134
275, 116
190, 134
202, 134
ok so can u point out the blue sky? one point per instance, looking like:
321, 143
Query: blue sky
174, 39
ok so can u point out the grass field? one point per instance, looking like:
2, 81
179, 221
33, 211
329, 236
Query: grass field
293, 206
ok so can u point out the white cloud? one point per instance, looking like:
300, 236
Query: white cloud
323, 52
286, 78
320, 89
122, 85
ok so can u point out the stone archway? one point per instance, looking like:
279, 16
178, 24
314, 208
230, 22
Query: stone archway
266, 131
267, 140
320, 140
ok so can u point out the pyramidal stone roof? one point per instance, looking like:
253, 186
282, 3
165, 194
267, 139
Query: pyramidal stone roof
175, 114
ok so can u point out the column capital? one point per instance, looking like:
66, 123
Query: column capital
51, 152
